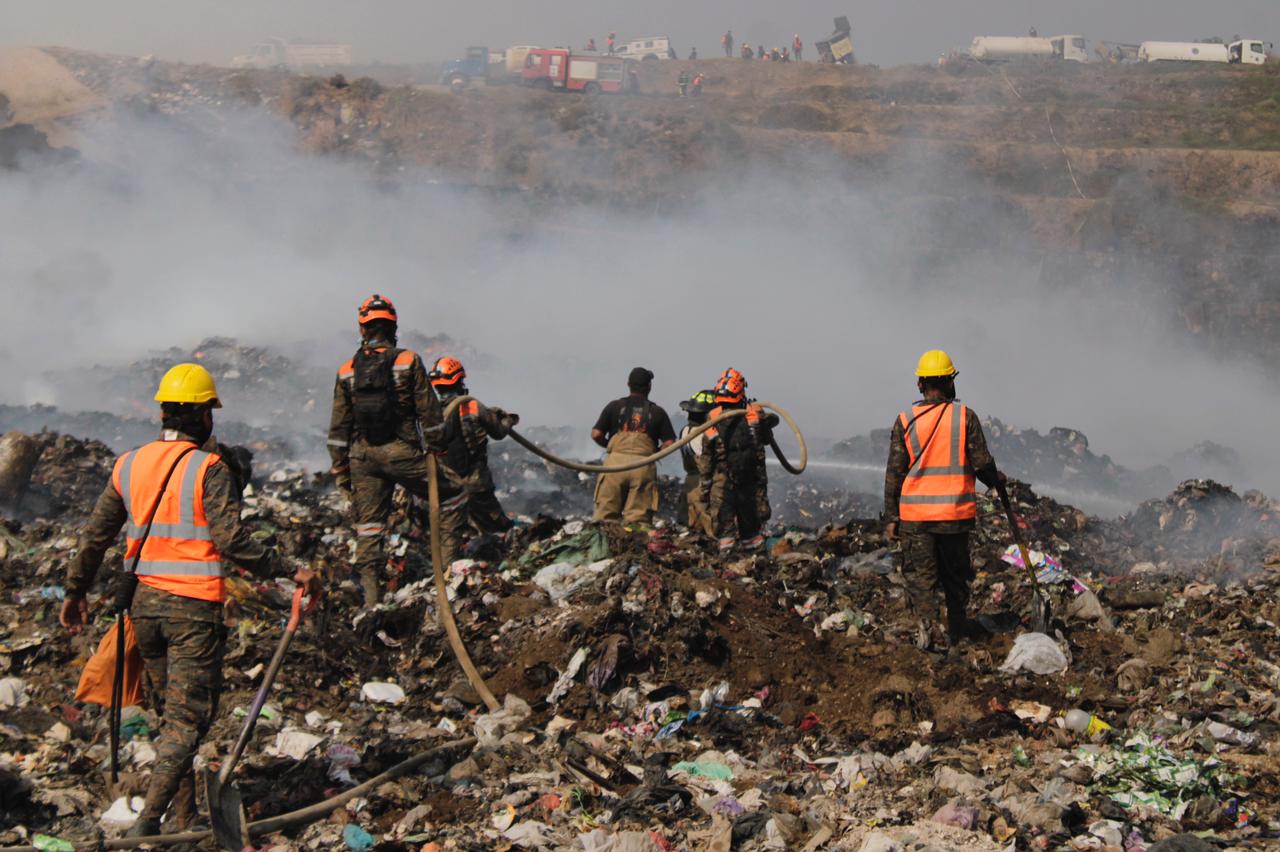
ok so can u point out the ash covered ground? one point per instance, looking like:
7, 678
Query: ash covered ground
660, 696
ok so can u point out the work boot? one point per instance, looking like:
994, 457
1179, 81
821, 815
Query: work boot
371, 586
726, 545
754, 543
144, 828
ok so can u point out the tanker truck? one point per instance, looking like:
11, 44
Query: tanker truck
1068, 48
1244, 52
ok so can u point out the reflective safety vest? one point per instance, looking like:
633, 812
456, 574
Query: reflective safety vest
939, 485
178, 556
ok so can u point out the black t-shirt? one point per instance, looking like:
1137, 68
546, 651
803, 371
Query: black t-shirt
629, 414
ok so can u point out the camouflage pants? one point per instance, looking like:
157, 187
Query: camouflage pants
738, 502
375, 472
182, 661
937, 559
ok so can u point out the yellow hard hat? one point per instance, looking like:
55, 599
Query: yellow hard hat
935, 364
188, 383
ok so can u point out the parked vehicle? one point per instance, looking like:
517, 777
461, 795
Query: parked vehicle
1244, 52
282, 53
559, 68
654, 47
480, 64
1069, 48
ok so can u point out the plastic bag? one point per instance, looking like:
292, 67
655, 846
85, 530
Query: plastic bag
1035, 652
100, 671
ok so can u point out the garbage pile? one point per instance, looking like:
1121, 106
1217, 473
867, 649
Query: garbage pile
659, 696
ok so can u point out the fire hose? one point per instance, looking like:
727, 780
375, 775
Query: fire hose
302, 816
437, 550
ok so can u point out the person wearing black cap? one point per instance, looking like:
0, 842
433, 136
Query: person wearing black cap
631, 428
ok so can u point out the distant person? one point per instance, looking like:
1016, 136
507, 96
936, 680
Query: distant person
697, 84
693, 54
747, 52
631, 428
726, 41
797, 48
1032, 32
786, 55
760, 54
633, 79
612, 42
591, 45
682, 83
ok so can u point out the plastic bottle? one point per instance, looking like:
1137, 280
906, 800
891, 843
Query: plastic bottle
1085, 723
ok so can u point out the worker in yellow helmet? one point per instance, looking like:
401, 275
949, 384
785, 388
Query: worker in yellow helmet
180, 498
937, 451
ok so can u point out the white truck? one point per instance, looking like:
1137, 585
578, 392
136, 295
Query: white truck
1068, 48
1244, 52
282, 53
654, 47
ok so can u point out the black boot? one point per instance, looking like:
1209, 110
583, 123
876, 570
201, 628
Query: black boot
144, 828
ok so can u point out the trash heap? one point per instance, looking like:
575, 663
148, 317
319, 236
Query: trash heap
656, 695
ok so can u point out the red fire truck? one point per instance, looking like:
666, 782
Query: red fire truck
558, 68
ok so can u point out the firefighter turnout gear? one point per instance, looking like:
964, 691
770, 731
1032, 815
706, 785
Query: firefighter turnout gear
632, 427
937, 453
385, 417
177, 608
188, 383
695, 512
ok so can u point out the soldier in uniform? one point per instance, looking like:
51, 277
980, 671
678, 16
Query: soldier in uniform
385, 419
631, 428
936, 452
734, 482
184, 490
465, 463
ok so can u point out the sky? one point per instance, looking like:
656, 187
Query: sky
885, 32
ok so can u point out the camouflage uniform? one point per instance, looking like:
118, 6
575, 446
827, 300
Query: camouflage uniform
734, 481
465, 464
181, 639
372, 471
936, 553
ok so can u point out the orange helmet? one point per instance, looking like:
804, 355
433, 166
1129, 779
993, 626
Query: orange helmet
731, 388
446, 372
377, 308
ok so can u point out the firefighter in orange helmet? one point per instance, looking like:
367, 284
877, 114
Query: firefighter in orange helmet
180, 499
465, 462
937, 451
385, 419
731, 468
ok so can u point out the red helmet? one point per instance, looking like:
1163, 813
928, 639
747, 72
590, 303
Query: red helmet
377, 308
731, 388
446, 372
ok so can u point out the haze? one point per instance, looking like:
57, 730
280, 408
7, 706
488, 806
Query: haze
885, 32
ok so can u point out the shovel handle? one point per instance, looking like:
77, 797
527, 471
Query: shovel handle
1017, 534
295, 618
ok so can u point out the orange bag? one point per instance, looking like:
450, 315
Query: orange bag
100, 671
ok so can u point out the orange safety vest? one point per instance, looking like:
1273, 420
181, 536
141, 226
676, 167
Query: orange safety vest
939, 486
178, 556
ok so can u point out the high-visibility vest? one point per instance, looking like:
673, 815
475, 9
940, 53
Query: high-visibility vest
939, 485
179, 555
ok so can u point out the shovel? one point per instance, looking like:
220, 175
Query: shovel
226, 810
1041, 613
